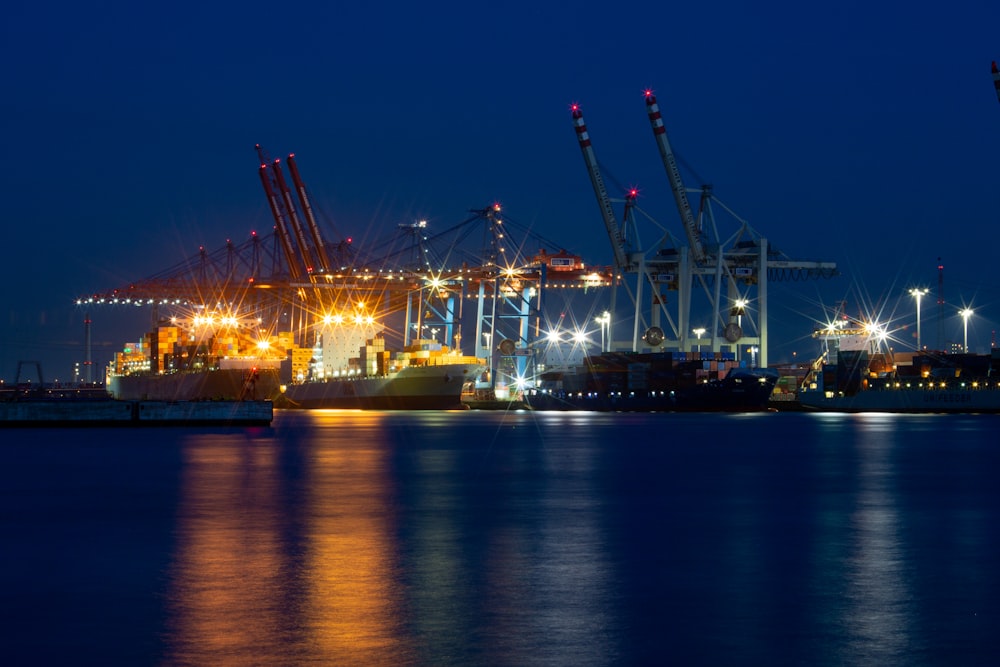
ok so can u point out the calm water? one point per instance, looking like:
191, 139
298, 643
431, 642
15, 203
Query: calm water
472, 538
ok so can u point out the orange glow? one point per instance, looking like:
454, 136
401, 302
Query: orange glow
236, 594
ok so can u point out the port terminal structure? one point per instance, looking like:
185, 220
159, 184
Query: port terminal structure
294, 280
426, 283
732, 272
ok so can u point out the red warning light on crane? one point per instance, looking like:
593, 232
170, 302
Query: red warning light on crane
996, 79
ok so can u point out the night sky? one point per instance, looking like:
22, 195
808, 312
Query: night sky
845, 132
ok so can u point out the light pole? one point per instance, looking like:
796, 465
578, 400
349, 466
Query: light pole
604, 320
740, 304
916, 293
966, 313
699, 332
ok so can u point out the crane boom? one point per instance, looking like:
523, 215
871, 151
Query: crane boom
300, 238
314, 230
674, 175
279, 225
607, 213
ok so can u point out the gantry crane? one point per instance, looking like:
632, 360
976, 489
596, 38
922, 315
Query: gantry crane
287, 282
742, 263
674, 176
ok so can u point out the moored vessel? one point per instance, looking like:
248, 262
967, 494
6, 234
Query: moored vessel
197, 385
347, 368
656, 382
432, 387
854, 376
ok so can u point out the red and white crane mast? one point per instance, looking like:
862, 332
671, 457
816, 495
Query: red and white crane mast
674, 175
607, 213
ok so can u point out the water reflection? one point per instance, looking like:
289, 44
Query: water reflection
354, 605
504, 548
357, 538
230, 578
285, 560
876, 593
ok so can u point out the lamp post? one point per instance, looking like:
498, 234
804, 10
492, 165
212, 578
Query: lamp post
604, 320
966, 313
916, 293
739, 305
699, 332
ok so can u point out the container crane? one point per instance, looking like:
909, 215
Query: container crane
305, 256
317, 237
623, 261
628, 259
279, 224
674, 175
742, 263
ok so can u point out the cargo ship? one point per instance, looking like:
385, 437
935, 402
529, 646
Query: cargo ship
425, 375
432, 387
215, 383
656, 382
854, 376
345, 369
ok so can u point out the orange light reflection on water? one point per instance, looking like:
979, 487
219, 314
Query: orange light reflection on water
353, 605
270, 569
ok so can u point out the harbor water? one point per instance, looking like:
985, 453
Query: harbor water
505, 538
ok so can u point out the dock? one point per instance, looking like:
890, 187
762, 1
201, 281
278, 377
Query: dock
56, 412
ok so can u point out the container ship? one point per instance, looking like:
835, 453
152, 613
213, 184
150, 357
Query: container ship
349, 367
853, 376
656, 382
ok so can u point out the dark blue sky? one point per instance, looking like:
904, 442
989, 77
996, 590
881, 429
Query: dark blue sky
851, 133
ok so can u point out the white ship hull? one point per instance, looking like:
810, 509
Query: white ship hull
222, 384
435, 387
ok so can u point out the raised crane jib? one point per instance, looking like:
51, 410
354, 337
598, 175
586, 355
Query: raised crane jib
300, 189
280, 226
593, 170
305, 255
674, 175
